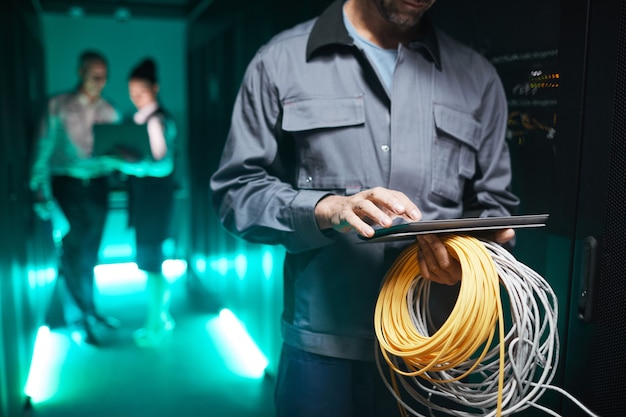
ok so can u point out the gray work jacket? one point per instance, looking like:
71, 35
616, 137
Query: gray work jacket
312, 117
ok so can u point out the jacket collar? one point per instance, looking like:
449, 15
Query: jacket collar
329, 30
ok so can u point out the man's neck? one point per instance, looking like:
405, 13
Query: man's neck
90, 97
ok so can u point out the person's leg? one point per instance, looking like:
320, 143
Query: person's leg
310, 385
73, 197
97, 209
374, 398
158, 322
158, 314
371, 397
81, 244
150, 212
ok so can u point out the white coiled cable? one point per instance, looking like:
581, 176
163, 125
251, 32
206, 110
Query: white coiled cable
505, 375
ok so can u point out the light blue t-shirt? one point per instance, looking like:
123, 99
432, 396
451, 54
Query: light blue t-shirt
383, 59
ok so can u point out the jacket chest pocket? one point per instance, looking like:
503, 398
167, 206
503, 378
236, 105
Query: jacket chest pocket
456, 142
327, 135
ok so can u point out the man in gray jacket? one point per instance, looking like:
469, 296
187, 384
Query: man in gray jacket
363, 116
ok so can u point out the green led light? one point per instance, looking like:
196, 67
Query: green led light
267, 264
241, 266
122, 278
127, 278
38, 278
48, 355
219, 265
118, 251
199, 264
239, 352
174, 269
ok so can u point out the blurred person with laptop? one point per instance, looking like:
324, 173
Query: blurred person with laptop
65, 171
151, 185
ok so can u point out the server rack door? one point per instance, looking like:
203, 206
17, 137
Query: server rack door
596, 343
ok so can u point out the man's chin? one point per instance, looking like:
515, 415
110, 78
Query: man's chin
405, 21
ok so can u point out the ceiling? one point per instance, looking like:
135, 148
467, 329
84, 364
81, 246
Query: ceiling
124, 9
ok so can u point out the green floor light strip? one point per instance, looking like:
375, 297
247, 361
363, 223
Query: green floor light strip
40, 278
267, 263
48, 355
240, 353
126, 278
241, 266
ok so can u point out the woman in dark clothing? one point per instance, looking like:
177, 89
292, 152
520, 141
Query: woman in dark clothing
150, 190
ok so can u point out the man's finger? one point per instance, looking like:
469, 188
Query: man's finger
438, 249
421, 259
429, 258
504, 235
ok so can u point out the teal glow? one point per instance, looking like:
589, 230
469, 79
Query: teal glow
60, 225
77, 337
45, 369
267, 264
122, 278
127, 278
169, 248
199, 264
240, 353
219, 265
41, 277
118, 251
241, 266
174, 269
57, 236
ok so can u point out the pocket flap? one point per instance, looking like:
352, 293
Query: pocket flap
317, 113
459, 125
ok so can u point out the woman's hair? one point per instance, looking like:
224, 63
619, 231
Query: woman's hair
146, 70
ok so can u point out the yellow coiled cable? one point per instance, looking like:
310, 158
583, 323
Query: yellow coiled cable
471, 323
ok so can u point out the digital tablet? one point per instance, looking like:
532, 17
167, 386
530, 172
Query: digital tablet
129, 139
410, 230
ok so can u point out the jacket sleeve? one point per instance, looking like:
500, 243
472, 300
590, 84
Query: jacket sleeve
253, 197
42, 151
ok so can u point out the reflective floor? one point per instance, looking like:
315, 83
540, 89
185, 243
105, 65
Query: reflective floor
186, 376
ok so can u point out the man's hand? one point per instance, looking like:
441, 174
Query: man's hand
43, 209
438, 265
376, 206
42, 200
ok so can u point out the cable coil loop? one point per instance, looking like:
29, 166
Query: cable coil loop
463, 364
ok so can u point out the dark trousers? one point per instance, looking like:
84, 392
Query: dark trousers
84, 204
310, 385
151, 201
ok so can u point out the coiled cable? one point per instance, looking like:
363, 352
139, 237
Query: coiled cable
462, 368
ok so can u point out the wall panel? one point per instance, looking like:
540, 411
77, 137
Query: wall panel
26, 248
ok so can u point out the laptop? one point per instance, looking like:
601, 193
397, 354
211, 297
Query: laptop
128, 139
